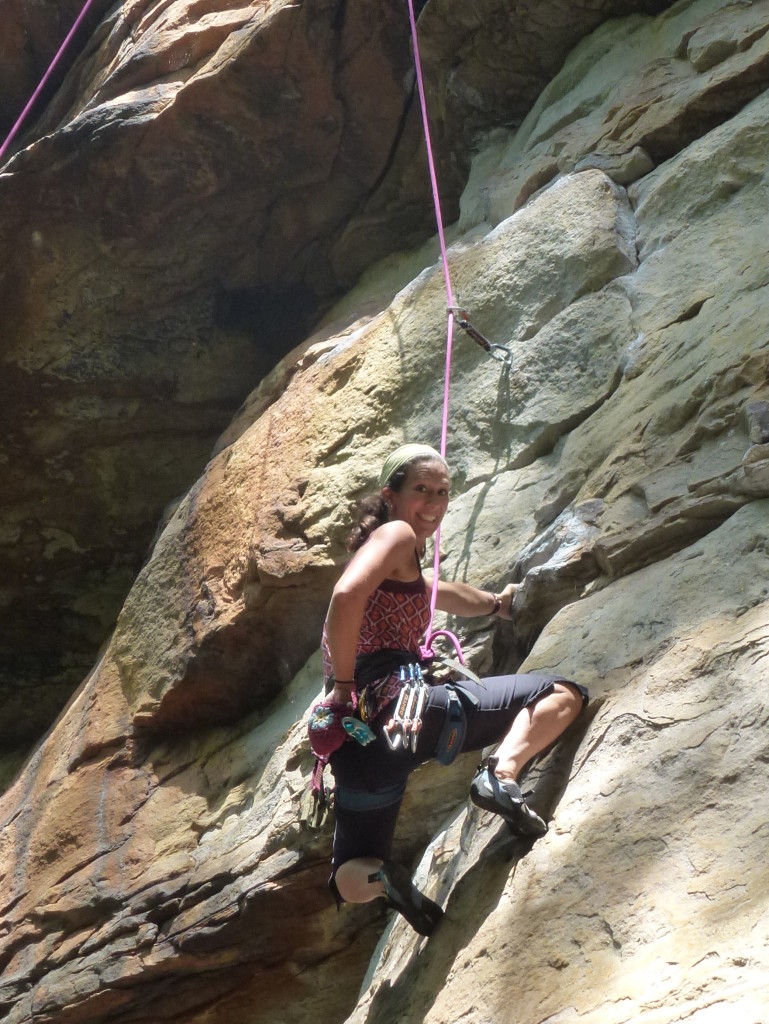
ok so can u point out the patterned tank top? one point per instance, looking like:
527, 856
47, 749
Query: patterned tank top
396, 617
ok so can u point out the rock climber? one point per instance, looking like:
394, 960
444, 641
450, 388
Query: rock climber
380, 721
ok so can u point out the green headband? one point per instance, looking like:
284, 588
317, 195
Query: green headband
407, 453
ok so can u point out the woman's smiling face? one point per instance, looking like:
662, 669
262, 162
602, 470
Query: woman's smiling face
423, 498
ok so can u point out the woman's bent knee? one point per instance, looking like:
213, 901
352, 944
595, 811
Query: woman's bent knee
572, 698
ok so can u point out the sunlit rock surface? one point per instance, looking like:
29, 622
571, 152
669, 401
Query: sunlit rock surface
198, 183
154, 866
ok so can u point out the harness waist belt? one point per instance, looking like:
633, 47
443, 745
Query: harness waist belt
370, 667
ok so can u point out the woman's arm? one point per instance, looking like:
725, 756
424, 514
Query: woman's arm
389, 552
466, 601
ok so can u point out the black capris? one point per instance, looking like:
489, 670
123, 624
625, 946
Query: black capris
371, 780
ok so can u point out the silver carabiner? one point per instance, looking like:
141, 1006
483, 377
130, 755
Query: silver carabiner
501, 354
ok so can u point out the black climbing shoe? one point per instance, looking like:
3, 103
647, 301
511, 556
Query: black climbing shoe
420, 912
488, 792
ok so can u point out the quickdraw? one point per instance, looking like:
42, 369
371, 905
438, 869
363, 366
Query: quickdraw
498, 352
402, 731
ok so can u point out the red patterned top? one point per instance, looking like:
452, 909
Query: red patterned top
396, 617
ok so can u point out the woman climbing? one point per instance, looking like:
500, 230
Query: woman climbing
379, 721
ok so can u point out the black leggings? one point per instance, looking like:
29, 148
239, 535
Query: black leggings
371, 780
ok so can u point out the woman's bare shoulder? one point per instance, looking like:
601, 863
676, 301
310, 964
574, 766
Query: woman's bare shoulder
396, 532
388, 553
394, 543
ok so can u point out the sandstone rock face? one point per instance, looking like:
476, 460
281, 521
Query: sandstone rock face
487, 62
153, 863
199, 188
207, 652
157, 237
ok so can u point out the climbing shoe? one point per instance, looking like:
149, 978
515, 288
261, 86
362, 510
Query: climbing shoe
505, 798
420, 912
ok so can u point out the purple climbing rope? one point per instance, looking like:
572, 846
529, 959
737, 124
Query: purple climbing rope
426, 651
23, 115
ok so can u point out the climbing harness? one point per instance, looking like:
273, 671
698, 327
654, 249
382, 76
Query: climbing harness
403, 730
23, 115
